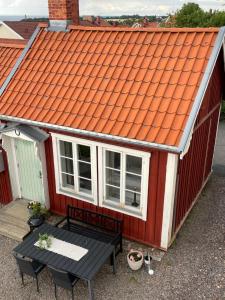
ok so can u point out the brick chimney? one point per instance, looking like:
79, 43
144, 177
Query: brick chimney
63, 12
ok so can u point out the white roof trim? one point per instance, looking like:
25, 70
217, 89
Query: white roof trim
92, 134
187, 135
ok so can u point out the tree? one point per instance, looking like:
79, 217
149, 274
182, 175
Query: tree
191, 15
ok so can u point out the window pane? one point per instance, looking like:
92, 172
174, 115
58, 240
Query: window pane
84, 170
133, 182
67, 181
113, 160
134, 164
84, 153
66, 149
113, 177
67, 165
85, 185
112, 194
132, 199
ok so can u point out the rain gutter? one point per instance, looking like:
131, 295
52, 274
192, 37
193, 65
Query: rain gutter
92, 134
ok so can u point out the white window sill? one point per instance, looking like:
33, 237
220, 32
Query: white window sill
82, 197
125, 210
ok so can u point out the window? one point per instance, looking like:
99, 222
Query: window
75, 168
125, 181
122, 180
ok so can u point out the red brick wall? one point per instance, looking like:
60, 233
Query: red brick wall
64, 10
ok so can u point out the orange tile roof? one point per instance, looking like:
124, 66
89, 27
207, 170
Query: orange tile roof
10, 51
133, 83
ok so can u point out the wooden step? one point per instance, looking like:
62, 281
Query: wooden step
8, 219
13, 220
12, 231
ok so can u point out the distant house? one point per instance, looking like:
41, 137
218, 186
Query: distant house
117, 120
17, 29
146, 24
94, 21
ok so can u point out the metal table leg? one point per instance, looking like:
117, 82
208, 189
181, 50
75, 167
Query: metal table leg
90, 290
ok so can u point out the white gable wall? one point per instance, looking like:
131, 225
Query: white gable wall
7, 33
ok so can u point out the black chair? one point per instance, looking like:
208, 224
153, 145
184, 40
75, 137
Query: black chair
29, 267
63, 279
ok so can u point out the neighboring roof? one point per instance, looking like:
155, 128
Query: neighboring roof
137, 84
32, 132
94, 21
10, 50
146, 25
24, 29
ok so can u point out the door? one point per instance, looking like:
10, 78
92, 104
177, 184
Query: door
29, 171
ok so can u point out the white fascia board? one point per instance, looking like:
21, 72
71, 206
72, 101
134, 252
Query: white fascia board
187, 135
169, 199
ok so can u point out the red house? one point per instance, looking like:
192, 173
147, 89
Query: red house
117, 120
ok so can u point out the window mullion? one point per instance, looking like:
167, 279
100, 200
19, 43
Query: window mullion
93, 168
104, 173
75, 168
123, 178
59, 162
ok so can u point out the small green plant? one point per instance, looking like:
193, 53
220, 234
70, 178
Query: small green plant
44, 241
37, 209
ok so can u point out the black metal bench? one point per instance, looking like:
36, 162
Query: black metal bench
93, 225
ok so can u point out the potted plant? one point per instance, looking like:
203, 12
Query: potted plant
135, 259
36, 210
44, 241
37, 214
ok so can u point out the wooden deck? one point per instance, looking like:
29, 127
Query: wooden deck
13, 220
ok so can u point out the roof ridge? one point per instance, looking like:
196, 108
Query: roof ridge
148, 29
13, 43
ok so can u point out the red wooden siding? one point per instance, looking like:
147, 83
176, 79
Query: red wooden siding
148, 232
5, 187
196, 166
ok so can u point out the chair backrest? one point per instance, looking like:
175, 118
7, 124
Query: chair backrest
60, 277
25, 265
95, 219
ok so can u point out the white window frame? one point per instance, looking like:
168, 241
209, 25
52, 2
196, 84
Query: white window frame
74, 193
140, 212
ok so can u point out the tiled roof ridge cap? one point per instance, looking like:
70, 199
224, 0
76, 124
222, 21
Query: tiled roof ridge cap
13, 43
148, 29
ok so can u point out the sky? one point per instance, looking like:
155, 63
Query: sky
106, 7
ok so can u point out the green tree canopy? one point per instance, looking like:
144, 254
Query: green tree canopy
192, 15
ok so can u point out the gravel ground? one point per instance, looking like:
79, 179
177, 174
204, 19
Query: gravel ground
193, 268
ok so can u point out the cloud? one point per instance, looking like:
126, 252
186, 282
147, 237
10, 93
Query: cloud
105, 7
22, 7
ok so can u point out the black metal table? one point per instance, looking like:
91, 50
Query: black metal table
86, 268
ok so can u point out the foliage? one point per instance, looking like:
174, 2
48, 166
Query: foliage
44, 241
192, 15
37, 209
35, 20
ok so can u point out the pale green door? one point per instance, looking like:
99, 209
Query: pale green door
29, 171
